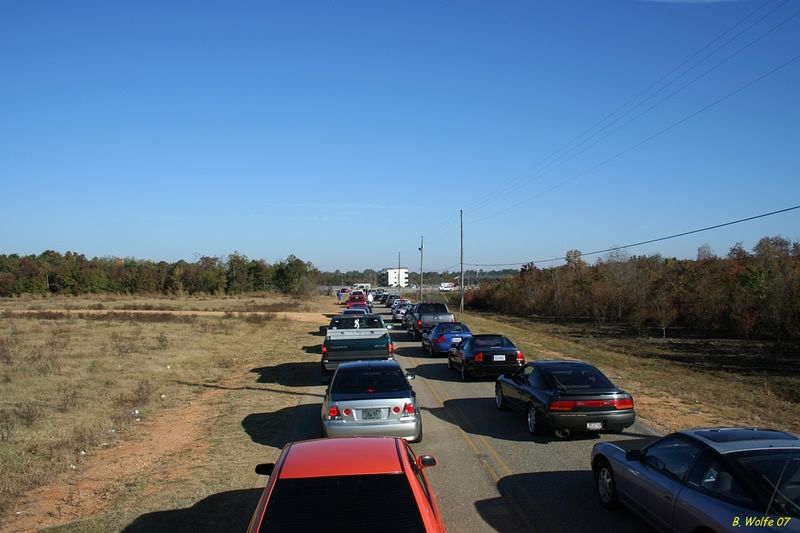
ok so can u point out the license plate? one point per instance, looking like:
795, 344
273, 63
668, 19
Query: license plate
371, 414
456, 339
594, 425
499, 357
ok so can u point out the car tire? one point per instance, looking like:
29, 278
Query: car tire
464, 373
605, 484
533, 420
499, 400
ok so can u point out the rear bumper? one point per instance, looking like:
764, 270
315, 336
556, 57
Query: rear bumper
328, 366
404, 429
611, 420
491, 369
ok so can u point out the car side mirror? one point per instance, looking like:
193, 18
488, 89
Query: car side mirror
633, 455
265, 469
425, 461
410, 376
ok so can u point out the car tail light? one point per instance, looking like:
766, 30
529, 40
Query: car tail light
520, 357
333, 411
563, 405
409, 409
440, 339
478, 357
324, 349
347, 411
624, 403
396, 409
390, 348
453, 320
419, 323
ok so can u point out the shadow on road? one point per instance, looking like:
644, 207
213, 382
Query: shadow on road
313, 349
286, 425
226, 511
480, 416
437, 371
553, 501
410, 351
295, 374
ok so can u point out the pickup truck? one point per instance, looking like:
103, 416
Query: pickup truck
354, 338
423, 316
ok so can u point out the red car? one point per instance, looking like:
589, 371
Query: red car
356, 299
347, 484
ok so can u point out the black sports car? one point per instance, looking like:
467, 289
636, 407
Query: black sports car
565, 396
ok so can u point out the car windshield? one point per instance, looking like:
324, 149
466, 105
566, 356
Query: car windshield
452, 328
369, 380
492, 341
571, 377
356, 322
777, 474
378, 502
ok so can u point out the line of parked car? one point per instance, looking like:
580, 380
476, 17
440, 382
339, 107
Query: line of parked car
714, 479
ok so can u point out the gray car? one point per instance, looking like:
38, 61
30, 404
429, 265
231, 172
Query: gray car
713, 479
371, 398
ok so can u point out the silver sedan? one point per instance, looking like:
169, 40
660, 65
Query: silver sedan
371, 398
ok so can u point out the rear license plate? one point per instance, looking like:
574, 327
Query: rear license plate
498, 357
370, 414
456, 339
594, 425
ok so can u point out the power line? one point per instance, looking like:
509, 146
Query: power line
511, 185
641, 243
649, 138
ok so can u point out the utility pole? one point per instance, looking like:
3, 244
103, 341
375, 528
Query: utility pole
461, 218
421, 247
398, 272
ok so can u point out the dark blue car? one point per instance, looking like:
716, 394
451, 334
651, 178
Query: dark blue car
441, 337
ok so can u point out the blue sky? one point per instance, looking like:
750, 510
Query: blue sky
343, 131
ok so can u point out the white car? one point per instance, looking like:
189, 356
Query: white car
400, 311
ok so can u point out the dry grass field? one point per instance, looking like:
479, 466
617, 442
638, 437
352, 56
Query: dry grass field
122, 412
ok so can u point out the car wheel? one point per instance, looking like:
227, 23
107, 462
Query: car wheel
606, 486
464, 375
499, 400
532, 418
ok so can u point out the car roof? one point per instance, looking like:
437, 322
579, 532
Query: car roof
560, 362
735, 439
381, 363
343, 456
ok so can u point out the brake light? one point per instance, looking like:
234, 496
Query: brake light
396, 409
562, 405
347, 411
419, 323
333, 412
624, 403
520, 357
409, 409
440, 339
478, 357
324, 349
390, 348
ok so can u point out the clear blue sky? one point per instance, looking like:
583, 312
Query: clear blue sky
343, 131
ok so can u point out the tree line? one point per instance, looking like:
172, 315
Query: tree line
73, 274
747, 294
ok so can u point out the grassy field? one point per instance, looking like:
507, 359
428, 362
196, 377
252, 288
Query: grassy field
112, 419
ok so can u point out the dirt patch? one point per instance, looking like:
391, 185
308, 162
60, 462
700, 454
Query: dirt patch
92, 487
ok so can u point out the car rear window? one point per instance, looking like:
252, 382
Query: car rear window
493, 341
360, 322
432, 308
379, 502
579, 378
361, 380
451, 328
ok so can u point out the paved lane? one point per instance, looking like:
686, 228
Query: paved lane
493, 475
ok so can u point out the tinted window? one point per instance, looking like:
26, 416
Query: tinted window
672, 456
361, 380
578, 377
451, 328
777, 474
382, 502
714, 477
349, 322
535, 379
492, 341
432, 308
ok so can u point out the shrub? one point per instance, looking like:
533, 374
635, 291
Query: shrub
28, 413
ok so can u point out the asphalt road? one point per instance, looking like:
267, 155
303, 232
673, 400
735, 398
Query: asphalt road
492, 474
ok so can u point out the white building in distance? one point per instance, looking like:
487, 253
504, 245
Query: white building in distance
390, 276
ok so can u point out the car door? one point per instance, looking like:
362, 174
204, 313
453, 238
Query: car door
515, 394
656, 479
459, 350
